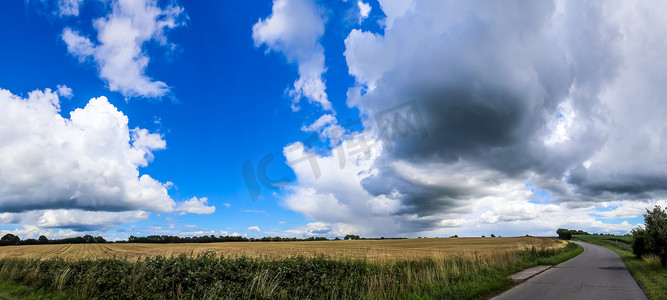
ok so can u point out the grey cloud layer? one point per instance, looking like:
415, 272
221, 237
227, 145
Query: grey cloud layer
491, 80
565, 95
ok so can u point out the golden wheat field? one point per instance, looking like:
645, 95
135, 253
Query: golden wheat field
374, 250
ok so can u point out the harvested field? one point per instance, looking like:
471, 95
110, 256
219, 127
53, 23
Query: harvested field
372, 250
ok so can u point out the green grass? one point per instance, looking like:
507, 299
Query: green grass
214, 277
627, 239
13, 291
648, 272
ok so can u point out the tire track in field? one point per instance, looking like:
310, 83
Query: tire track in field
59, 251
110, 253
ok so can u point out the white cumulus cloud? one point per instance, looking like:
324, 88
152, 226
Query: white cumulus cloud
294, 29
364, 10
395, 9
196, 206
88, 161
64, 91
77, 172
321, 123
69, 7
119, 50
81, 220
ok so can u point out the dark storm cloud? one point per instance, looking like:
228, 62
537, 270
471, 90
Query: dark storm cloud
560, 102
632, 185
418, 199
491, 80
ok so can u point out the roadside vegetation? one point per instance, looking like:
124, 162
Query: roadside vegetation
10, 290
467, 275
648, 272
644, 252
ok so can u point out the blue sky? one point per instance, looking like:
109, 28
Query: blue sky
513, 131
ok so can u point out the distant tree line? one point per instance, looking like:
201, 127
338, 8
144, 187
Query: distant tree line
607, 234
165, 239
10, 239
566, 234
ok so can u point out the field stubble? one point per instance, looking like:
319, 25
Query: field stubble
370, 250
452, 268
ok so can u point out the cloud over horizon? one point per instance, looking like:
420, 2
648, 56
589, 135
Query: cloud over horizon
408, 117
526, 109
81, 171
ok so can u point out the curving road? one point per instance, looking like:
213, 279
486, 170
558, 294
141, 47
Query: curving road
597, 273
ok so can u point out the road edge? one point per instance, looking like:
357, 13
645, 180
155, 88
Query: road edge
615, 249
516, 283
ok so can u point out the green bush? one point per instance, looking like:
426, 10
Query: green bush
652, 239
564, 234
639, 242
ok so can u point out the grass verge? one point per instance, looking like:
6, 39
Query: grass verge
214, 277
571, 251
648, 272
13, 291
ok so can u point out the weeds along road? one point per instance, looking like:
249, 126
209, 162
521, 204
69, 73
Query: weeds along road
597, 273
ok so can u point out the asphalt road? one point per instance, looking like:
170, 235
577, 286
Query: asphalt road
597, 273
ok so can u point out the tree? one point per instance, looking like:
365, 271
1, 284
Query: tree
564, 234
493, 235
10, 239
580, 232
639, 242
653, 237
43, 240
88, 239
29, 242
